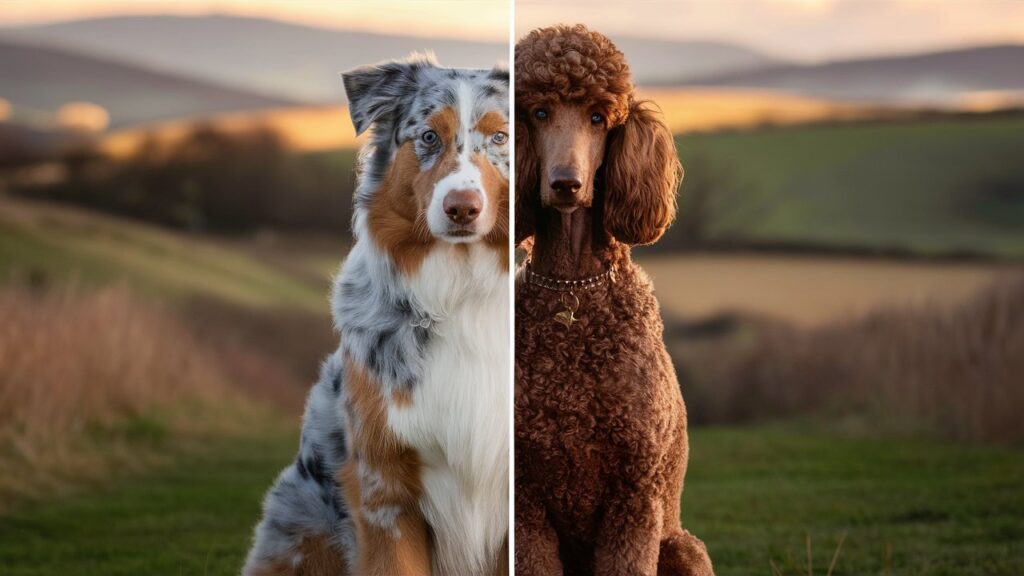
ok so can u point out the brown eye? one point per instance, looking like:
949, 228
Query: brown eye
429, 137
540, 114
596, 118
499, 138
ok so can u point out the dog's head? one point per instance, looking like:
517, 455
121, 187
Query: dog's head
437, 166
583, 139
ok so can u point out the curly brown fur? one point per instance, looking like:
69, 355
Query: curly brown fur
601, 444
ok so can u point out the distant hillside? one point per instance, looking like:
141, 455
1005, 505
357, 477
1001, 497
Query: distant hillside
924, 78
655, 61
303, 61
291, 60
46, 78
950, 185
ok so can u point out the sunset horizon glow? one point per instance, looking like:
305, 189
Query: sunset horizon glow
799, 30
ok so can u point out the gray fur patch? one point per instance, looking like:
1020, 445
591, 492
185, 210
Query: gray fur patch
306, 498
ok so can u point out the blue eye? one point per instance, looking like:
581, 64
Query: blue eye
540, 114
596, 118
499, 138
429, 137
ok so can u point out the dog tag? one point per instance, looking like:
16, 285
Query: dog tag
565, 318
572, 304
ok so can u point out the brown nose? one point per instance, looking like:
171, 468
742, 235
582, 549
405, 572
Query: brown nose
462, 206
565, 181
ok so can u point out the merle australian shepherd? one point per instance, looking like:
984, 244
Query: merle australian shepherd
403, 462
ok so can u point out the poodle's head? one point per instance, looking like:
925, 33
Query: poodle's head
584, 140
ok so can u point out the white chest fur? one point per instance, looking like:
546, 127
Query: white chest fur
458, 419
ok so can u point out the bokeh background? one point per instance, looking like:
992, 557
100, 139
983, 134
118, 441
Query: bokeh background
175, 195
841, 292
842, 289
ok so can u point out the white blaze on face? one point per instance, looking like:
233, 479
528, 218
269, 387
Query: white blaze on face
465, 177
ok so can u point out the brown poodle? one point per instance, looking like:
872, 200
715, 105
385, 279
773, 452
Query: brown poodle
600, 424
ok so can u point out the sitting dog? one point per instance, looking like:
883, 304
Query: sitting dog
600, 424
403, 462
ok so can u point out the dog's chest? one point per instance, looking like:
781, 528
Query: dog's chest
457, 419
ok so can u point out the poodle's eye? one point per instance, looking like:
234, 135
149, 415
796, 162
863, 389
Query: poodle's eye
499, 138
596, 118
540, 114
429, 137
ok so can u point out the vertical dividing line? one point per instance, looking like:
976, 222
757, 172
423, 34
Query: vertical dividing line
512, 284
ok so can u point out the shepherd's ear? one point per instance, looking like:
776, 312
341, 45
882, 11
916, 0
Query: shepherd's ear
499, 73
375, 92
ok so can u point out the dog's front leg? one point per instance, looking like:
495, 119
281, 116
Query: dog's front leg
536, 539
629, 538
382, 484
391, 534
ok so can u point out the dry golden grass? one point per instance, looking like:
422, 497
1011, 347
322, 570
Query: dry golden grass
949, 371
807, 290
304, 128
691, 109
84, 374
709, 109
314, 128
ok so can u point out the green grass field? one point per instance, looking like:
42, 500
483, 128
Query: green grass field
65, 244
753, 495
928, 186
907, 507
192, 516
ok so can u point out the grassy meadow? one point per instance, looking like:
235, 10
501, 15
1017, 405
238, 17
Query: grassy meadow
156, 493
752, 494
932, 186
755, 494
155, 366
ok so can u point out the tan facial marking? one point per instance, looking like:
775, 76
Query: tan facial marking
490, 123
496, 188
396, 216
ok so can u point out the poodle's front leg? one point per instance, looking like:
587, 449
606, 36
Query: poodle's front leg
629, 537
536, 539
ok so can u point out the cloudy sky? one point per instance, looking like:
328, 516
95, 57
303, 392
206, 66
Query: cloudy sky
806, 30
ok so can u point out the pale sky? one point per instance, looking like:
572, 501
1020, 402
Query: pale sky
806, 30
468, 19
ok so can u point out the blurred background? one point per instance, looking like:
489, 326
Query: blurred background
175, 187
842, 290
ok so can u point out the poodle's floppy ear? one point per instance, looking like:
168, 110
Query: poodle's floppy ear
376, 92
641, 175
527, 169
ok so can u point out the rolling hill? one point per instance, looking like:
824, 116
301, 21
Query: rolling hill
943, 186
46, 78
654, 61
303, 61
931, 78
267, 56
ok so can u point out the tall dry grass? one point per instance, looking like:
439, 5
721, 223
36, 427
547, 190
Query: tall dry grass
78, 365
954, 372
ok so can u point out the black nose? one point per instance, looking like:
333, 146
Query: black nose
565, 181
